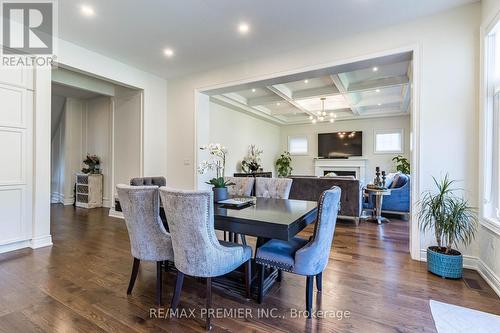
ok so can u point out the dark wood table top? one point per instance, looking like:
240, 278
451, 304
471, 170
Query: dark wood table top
268, 218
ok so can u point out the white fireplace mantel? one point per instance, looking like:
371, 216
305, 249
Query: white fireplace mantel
357, 165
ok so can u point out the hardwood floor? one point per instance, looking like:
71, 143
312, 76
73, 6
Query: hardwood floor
80, 284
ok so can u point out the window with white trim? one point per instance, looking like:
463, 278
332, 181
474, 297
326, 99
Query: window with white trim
388, 141
491, 122
298, 145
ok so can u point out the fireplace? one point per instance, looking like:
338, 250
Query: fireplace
343, 167
340, 173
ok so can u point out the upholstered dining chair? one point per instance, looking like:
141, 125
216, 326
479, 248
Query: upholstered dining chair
300, 256
197, 251
149, 241
278, 188
152, 181
243, 186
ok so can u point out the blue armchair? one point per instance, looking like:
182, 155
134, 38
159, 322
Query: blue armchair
398, 201
300, 256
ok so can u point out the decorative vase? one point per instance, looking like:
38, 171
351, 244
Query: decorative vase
220, 193
444, 265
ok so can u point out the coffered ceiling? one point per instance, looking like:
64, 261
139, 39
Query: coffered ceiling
377, 87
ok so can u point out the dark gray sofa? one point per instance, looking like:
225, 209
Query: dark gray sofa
310, 188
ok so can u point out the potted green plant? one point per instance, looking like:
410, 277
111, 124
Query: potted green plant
216, 162
453, 221
93, 164
283, 165
402, 164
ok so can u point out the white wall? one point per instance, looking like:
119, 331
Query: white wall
304, 165
237, 131
98, 139
448, 56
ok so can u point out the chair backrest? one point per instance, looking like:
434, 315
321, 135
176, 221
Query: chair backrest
243, 185
313, 257
148, 238
190, 216
149, 181
278, 188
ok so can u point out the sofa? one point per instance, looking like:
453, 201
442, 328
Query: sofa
310, 188
399, 200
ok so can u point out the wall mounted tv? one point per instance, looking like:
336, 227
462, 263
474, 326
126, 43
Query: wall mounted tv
340, 144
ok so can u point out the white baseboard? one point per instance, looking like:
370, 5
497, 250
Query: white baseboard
114, 213
55, 197
67, 201
42, 241
106, 203
16, 245
478, 265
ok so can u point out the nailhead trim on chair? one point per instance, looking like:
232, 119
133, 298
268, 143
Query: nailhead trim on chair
274, 264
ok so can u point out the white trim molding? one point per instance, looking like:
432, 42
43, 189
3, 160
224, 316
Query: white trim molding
115, 213
42, 241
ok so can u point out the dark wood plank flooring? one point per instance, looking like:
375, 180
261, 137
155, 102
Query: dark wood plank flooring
79, 285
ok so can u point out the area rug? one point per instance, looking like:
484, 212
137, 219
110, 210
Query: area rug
456, 319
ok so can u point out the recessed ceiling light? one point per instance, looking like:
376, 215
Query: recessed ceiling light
332, 120
375, 69
314, 121
243, 28
379, 104
278, 104
311, 117
87, 10
168, 52
321, 118
253, 90
377, 90
306, 81
331, 114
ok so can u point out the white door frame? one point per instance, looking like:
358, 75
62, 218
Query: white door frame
415, 140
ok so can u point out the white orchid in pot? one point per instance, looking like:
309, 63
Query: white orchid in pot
217, 162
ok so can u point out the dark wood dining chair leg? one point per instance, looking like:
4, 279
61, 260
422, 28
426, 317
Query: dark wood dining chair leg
133, 276
159, 281
309, 294
261, 283
177, 291
319, 282
248, 278
208, 305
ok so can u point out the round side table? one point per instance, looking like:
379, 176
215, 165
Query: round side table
377, 209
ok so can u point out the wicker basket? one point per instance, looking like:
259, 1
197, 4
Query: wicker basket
444, 265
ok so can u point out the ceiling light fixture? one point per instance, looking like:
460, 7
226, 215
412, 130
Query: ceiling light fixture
314, 121
168, 52
377, 90
311, 117
331, 114
379, 104
375, 69
332, 120
306, 81
321, 113
253, 90
243, 28
278, 104
87, 10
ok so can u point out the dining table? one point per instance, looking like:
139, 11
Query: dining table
265, 219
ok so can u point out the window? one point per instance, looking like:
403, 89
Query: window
389, 141
491, 133
298, 145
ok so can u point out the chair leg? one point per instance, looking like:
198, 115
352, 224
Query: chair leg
309, 295
159, 280
208, 305
319, 282
261, 283
280, 275
133, 276
177, 291
248, 277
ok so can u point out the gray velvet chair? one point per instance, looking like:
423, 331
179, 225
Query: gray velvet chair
197, 250
278, 188
300, 256
149, 181
149, 240
243, 185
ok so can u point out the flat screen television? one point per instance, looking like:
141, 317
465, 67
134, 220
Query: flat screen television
340, 144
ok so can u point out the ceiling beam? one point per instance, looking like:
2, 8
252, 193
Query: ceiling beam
235, 105
314, 92
286, 94
377, 84
263, 100
337, 82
